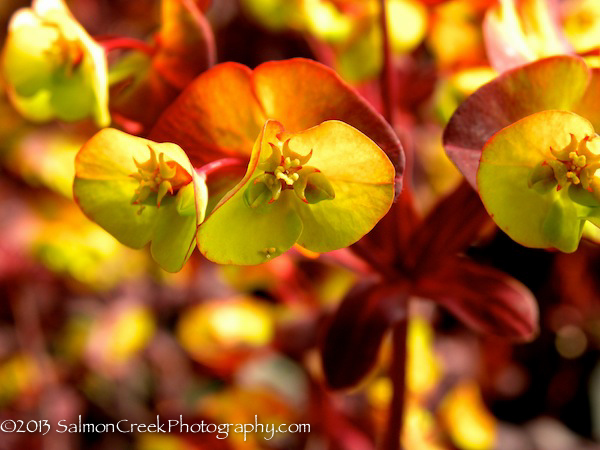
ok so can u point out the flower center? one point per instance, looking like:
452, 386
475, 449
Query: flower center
285, 170
157, 177
67, 52
576, 164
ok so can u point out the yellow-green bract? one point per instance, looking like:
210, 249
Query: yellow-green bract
53, 68
537, 179
141, 191
357, 190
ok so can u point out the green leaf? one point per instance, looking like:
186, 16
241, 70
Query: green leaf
237, 234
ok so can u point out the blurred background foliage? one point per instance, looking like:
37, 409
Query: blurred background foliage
89, 327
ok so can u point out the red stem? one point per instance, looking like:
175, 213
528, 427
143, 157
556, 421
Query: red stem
398, 375
385, 80
592, 52
125, 43
219, 164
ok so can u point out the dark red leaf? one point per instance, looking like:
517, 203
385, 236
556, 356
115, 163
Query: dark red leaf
452, 225
391, 236
484, 298
351, 345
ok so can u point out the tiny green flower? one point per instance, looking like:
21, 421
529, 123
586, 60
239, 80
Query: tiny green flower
539, 179
323, 188
160, 199
52, 67
284, 170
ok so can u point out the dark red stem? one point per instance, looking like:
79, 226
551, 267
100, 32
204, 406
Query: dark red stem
125, 43
398, 376
385, 80
219, 164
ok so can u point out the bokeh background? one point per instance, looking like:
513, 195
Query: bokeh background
89, 327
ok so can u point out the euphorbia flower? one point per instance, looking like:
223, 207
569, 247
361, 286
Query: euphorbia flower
537, 179
324, 188
52, 67
311, 179
533, 161
141, 191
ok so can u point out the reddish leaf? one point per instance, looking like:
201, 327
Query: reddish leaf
184, 49
391, 236
301, 94
217, 115
588, 106
203, 5
223, 110
484, 298
185, 43
352, 342
559, 82
452, 225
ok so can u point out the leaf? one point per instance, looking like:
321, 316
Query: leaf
532, 218
235, 233
301, 93
352, 341
185, 43
485, 299
588, 105
138, 92
253, 224
217, 115
147, 84
449, 228
555, 83
389, 241
222, 111
65, 78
